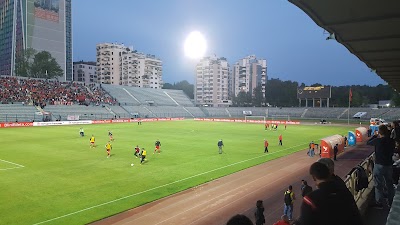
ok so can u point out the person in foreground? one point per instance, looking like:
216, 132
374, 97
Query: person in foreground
329, 204
283, 221
239, 219
384, 149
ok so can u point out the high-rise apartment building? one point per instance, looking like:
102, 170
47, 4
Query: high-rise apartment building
211, 83
85, 72
249, 73
44, 25
120, 65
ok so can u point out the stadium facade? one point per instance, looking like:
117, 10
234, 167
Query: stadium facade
212, 82
249, 73
44, 25
118, 64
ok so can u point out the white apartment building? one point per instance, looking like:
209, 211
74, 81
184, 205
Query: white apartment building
85, 72
120, 65
248, 73
211, 83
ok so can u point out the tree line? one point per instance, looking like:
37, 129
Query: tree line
284, 94
31, 63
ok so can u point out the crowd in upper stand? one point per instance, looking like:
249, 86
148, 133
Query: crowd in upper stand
43, 92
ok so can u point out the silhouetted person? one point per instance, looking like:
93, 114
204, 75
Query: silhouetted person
329, 204
239, 219
259, 214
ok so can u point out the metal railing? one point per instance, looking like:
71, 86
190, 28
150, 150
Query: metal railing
352, 178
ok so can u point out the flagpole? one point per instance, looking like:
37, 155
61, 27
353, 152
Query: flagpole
348, 110
348, 114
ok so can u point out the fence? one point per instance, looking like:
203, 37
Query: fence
352, 179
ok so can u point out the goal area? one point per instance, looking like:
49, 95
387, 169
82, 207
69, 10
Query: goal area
261, 118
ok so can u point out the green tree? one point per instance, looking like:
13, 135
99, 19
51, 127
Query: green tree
258, 96
23, 62
45, 66
184, 85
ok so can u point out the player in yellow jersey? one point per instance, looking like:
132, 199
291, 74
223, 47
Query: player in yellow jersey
92, 139
143, 154
108, 149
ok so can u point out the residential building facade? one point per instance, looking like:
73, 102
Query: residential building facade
44, 25
120, 65
211, 83
248, 73
85, 72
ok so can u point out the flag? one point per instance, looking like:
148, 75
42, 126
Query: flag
350, 95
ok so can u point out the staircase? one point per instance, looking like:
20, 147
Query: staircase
304, 113
345, 111
227, 111
188, 111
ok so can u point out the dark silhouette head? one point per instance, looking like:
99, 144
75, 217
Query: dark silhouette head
239, 219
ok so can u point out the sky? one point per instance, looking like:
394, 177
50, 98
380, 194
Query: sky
294, 46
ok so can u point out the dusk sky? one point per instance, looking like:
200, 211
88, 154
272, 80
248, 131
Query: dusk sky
293, 45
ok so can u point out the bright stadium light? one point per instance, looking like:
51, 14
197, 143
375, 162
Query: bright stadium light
195, 45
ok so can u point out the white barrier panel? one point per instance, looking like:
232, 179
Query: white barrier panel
250, 121
61, 123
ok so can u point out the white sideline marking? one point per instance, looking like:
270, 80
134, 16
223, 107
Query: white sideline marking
11, 168
151, 189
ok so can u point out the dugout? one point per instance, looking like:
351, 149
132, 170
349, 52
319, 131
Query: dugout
328, 143
361, 134
351, 138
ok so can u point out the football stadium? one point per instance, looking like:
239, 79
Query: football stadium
126, 150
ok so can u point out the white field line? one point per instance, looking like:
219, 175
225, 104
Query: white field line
11, 168
161, 186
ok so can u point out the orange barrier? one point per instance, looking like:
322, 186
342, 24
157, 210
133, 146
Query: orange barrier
328, 143
361, 134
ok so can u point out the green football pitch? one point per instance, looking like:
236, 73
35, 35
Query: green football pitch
49, 175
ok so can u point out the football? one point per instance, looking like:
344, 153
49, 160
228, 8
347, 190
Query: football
132, 164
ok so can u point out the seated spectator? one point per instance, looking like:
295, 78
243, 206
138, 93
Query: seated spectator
284, 221
329, 204
331, 166
239, 219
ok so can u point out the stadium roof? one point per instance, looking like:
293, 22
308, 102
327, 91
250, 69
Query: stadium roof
368, 29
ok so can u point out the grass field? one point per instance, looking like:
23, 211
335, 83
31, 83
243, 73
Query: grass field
49, 175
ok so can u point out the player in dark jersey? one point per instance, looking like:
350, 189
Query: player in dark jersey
157, 146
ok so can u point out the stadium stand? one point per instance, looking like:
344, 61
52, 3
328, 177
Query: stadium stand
180, 97
196, 111
61, 112
169, 111
323, 113
18, 112
216, 112
291, 112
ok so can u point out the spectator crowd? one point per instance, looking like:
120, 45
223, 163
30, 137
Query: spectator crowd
53, 92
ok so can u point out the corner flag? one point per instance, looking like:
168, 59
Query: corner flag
350, 95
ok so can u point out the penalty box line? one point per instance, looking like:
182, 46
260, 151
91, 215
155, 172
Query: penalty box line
165, 185
11, 168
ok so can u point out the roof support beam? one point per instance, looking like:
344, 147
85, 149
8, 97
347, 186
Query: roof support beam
372, 38
365, 20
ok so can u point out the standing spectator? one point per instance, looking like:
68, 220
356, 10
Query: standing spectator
284, 221
384, 148
280, 139
239, 219
259, 214
305, 188
329, 204
220, 145
265, 146
311, 149
335, 152
289, 200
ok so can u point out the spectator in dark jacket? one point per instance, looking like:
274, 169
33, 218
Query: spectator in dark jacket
329, 204
259, 214
384, 148
305, 188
